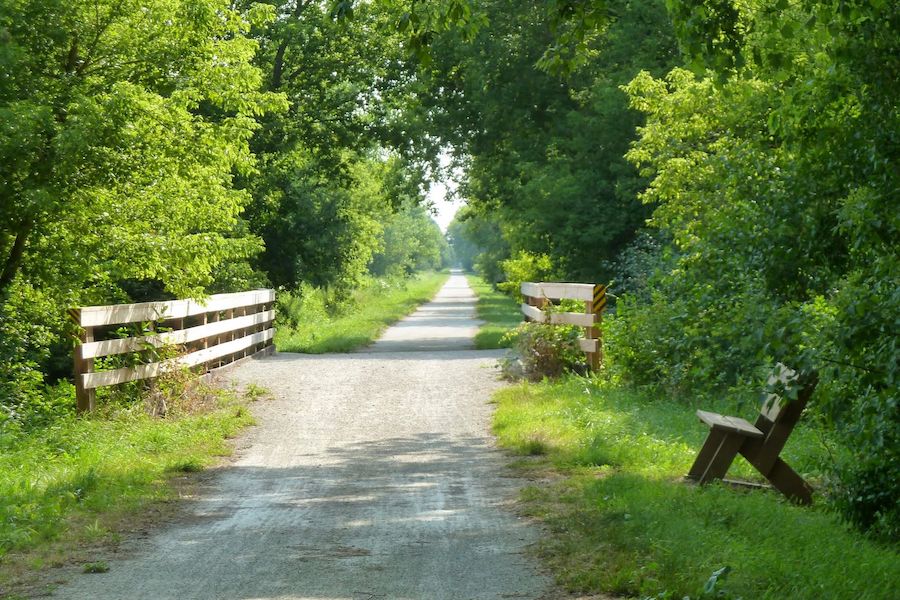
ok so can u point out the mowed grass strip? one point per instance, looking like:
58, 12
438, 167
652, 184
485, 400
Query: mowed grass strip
372, 310
623, 521
500, 312
70, 486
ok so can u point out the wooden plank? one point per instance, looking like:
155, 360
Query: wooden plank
92, 381
724, 455
788, 482
733, 424
588, 345
184, 336
201, 356
125, 374
565, 318
94, 316
559, 291
534, 313
706, 454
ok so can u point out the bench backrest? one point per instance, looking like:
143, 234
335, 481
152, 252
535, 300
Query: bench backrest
777, 420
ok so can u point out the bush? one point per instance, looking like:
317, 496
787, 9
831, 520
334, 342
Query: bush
543, 350
30, 323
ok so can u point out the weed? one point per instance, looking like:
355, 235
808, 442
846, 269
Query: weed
536, 445
96, 567
95, 531
187, 465
542, 350
253, 392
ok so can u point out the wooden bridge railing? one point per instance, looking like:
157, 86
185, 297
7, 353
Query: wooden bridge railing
225, 328
538, 295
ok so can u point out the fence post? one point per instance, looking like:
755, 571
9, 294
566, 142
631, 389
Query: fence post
596, 307
85, 398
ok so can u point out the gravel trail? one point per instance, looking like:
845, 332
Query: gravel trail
369, 476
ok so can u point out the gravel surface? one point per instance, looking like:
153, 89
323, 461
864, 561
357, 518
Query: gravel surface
370, 475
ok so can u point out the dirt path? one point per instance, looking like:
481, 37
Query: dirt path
370, 475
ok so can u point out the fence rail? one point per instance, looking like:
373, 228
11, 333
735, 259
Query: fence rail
225, 328
538, 296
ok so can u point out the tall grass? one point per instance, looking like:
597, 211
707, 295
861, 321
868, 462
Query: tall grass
311, 322
499, 311
623, 521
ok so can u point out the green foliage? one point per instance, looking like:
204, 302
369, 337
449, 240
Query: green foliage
27, 325
478, 243
412, 242
543, 351
544, 168
340, 162
524, 266
122, 125
120, 150
622, 521
96, 567
317, 230
464, 251
773, 181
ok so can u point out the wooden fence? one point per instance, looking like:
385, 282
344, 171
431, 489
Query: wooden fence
538, 295
225, 328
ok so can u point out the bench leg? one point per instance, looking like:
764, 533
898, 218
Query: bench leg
785, 480
715, 456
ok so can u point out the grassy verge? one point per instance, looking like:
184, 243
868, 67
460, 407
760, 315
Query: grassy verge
68, 489
500, 312
623, 521
371, 310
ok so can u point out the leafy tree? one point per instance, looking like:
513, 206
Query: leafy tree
544, 155
124, 122
412, 242
774, 174
122, 125
341, 160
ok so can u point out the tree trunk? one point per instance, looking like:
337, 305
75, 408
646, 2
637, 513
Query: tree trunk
14, 260
278, 67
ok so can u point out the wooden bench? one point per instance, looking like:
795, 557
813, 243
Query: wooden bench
760, 443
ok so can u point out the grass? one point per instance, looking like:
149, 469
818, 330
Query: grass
622, 521
373, 308
500, 312
71, 487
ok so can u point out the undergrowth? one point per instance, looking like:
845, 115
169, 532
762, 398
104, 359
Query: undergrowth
622, 520
312, 322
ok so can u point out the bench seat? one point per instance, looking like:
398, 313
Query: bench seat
726, 423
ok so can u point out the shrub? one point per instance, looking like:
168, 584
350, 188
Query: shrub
543, 350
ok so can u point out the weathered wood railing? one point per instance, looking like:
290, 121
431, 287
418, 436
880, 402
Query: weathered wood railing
225, 328
538, 295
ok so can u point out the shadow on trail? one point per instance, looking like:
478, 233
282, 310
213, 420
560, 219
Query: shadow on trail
392, 518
